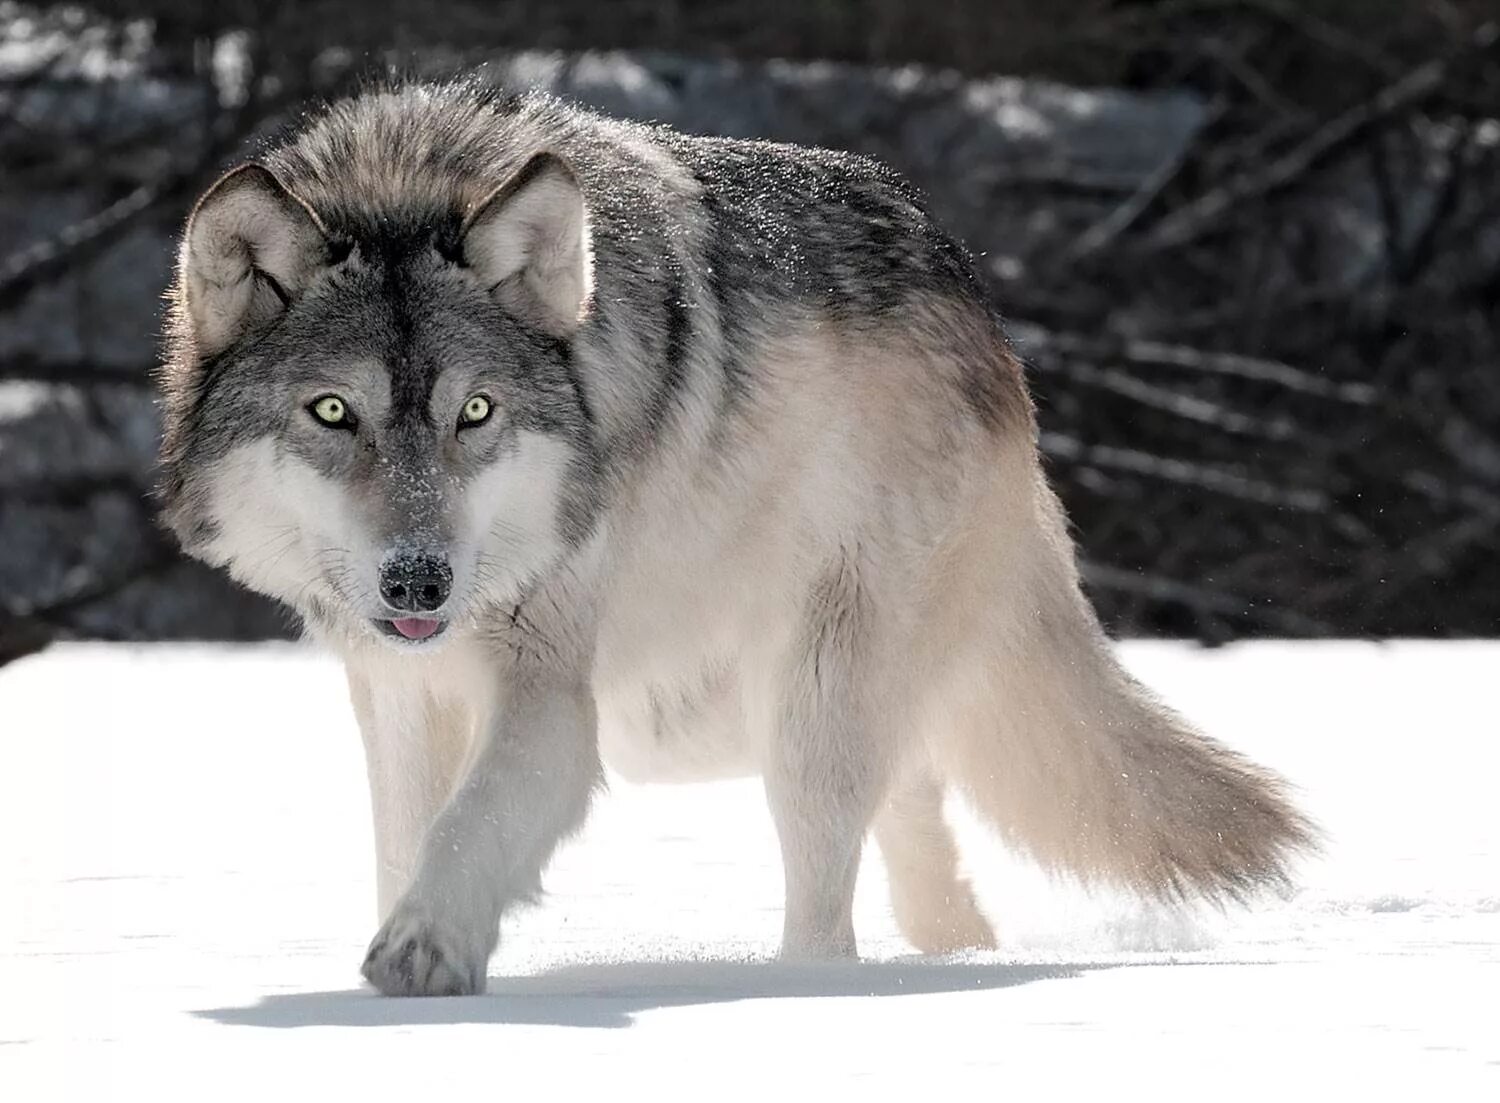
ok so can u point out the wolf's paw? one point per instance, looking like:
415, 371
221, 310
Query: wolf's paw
414, 955
946, 923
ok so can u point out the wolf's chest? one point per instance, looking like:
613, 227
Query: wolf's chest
665, 675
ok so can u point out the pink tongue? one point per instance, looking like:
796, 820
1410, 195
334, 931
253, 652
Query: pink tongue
415, 628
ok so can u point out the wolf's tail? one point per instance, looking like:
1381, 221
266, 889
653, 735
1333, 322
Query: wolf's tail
1076, 763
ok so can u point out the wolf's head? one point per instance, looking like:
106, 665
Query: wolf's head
373, 415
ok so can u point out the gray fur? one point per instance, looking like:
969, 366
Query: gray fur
692, 239
759, 492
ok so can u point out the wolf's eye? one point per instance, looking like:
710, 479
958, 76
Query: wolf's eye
332, 412
476, 411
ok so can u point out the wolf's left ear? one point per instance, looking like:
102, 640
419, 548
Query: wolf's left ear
250, 246
529, 243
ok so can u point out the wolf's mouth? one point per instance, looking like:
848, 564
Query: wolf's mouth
414, 629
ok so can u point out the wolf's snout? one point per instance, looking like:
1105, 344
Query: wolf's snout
415, 582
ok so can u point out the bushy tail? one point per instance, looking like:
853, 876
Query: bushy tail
1077, 764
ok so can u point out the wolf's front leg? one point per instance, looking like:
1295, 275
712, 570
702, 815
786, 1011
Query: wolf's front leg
528, 788
415, 745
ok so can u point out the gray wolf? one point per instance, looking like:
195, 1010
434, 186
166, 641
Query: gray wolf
583, 441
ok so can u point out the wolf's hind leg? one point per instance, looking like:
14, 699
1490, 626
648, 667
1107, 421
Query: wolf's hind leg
827, 759
934, 906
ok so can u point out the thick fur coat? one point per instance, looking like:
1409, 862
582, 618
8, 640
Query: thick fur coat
586, 441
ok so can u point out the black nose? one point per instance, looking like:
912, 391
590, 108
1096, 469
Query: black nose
415, 583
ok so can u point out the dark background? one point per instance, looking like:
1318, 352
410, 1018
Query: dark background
1250, 251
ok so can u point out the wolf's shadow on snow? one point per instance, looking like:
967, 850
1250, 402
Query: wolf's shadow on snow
611, 995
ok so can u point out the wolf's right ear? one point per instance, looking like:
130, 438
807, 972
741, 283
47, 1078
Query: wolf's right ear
528, 242
250, 246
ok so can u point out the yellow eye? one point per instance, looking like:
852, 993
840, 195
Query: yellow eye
475, 412
330, 410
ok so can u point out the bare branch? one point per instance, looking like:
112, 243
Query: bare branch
22, 271
1198, 217
1102, 234
1203, 476
76, 372
1148, 353
1187, 407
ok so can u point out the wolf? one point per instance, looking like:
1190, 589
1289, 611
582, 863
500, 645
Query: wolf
583, 441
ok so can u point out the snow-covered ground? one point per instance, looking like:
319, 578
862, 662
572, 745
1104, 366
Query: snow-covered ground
186, 894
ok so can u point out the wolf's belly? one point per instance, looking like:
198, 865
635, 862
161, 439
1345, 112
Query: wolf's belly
686, 729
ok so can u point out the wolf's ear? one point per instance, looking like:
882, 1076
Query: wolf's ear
529, 243
250, 246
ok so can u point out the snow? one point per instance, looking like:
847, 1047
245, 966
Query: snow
186, 892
